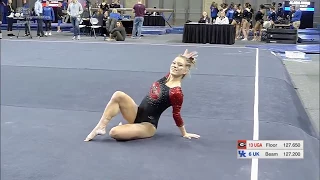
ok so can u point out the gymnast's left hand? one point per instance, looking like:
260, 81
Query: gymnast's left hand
190, 135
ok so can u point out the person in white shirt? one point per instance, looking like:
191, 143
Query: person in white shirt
38, 9
74, 11
222, 19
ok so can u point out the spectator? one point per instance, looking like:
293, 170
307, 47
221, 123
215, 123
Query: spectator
118, 33
280, 12
222, 19
10, 12
1, 12
26, 12
204, 18
112, 20
224, 7
74, 11
104, 6
39, 12
60, 15
272, 16
65, 17
139, 11
48, 14
296, 16
115, 15
99, 16
230, 13
214, 11
114, 4
65, 5
119, 2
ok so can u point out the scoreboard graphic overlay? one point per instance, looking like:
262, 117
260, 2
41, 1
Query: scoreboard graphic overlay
270, 149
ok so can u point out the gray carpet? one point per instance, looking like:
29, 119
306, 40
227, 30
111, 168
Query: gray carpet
50, 103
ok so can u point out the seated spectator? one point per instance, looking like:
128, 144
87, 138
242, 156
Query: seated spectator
204, 18
272, 17
115, 4
222, 19
151, 13
115, 15
113, 18
296, 17
280, 11
118, 33
100, 16
104, 6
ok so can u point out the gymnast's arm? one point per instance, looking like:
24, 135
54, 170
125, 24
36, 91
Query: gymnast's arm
176, 99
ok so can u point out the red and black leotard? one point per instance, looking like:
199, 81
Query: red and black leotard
159, 98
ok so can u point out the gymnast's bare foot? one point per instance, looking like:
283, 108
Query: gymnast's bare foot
94, 133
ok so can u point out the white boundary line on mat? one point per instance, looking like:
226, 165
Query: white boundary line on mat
130, 43
255, 162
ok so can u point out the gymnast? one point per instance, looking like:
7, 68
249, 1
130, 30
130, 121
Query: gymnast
143, 119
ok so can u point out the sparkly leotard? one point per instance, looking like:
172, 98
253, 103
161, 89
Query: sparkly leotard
237, 16
247, 14
259, 17
159, 98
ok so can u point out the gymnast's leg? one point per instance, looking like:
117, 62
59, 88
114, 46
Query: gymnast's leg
133, 131
119, 102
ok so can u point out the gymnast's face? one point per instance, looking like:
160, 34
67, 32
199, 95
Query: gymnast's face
178, 67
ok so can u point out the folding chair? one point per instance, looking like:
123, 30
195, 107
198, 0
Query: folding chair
94, 22
82, 25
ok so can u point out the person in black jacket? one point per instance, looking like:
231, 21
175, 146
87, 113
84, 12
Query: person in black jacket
1, 12
59, 16
118, 33
104, 6
280, 11
204, 18
259, 17
10, 12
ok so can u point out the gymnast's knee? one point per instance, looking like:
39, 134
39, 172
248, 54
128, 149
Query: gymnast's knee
115, 133
117, 96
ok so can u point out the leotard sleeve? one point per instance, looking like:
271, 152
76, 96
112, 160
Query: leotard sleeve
176, 99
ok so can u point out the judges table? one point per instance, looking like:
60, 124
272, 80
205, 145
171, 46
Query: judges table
209, 33
128, 25
154, 21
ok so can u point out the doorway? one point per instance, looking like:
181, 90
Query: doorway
187, 10
184, 10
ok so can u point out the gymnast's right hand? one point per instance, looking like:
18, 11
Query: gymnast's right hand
190, 135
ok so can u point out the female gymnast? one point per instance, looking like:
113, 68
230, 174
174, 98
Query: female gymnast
143, 119
246, 20
237, 20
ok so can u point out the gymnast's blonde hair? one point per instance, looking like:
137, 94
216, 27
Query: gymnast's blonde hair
191, 63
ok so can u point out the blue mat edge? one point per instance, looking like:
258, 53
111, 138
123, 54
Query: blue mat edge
307, 122
278, 49
154, 30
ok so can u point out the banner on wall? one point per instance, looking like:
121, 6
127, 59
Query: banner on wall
55, 3
303, 5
